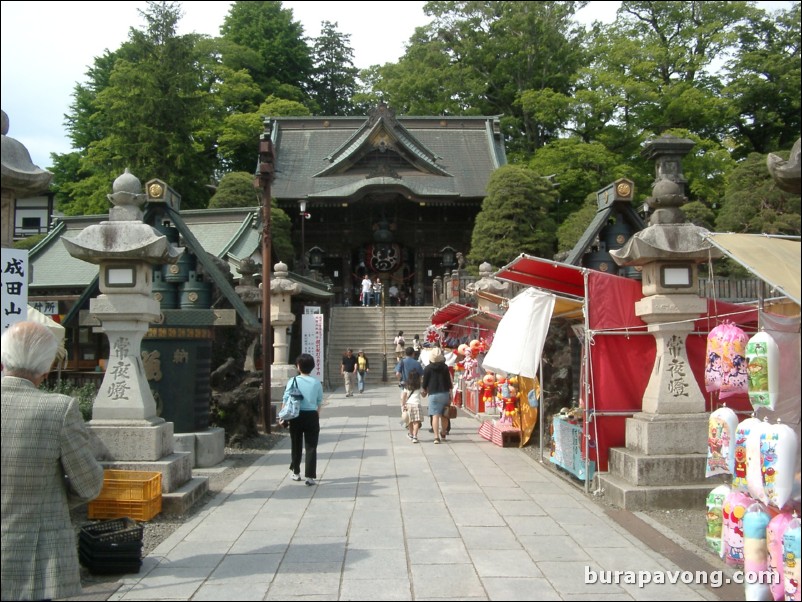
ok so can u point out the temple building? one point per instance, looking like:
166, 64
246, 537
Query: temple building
393, 197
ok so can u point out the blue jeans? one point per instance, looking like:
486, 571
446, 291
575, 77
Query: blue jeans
360, 381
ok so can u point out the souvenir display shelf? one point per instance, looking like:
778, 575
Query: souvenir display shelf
567, 448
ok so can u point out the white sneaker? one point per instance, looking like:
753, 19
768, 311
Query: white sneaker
296, 476
414, 439
310, 482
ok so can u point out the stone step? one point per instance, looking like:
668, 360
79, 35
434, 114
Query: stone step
179, 502
668, 469
630, 497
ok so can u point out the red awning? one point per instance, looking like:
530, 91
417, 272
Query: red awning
552, 276
451, 313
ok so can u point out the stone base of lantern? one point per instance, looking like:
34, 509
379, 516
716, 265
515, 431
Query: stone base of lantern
663, 464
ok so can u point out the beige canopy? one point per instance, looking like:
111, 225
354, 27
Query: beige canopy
775, 260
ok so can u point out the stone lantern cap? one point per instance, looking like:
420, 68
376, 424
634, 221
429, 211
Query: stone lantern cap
667, 242
124, 236
280, 283
18, 171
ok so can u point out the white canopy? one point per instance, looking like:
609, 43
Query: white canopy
518, 343
34, 315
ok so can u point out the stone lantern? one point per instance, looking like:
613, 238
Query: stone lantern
125, 249
491, 286
281, 317
663, 462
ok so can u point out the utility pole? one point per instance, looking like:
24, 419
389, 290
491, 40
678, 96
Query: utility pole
265, 178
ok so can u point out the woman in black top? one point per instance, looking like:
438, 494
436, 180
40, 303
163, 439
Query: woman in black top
437, 385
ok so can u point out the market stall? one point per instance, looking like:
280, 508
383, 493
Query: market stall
617, 351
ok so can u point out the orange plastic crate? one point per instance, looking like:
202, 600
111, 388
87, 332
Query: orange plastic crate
128, 493
139, 510
131, 485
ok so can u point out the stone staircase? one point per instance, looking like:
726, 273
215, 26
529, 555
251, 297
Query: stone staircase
369, 329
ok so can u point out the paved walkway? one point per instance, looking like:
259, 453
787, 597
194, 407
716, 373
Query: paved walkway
391, 520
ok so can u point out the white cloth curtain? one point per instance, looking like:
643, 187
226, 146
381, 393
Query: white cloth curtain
521, 334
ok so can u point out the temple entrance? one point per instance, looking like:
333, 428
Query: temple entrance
394, 266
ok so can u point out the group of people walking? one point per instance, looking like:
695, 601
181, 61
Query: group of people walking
432, 382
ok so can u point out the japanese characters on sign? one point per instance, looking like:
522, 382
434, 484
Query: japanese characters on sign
15, 286
312, 341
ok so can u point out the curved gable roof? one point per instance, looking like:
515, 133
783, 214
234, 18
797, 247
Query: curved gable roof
382, 133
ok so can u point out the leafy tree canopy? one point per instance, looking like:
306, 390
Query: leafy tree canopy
516, 217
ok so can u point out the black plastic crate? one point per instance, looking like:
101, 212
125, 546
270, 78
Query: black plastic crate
111, 547
109, 566
110, 532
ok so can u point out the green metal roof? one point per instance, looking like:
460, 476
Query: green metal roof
225, 233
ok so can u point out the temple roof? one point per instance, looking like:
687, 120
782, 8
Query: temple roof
434, 158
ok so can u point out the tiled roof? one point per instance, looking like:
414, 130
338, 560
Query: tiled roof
466, 149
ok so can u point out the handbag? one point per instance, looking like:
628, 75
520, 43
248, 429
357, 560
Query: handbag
404, 418
292, 403
452, 412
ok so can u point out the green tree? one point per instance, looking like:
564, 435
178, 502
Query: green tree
754, 204
480, 57
764, 82
239, 134
263, 39
236, 189
334, 77
516, 217
571, 229
149, 113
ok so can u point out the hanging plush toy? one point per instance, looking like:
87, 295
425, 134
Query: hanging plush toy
742, 433
778, 459
774, 546
715, 505
722, 425
763, 357
754, 462
732, 535
725, 368
756, 521
792, 542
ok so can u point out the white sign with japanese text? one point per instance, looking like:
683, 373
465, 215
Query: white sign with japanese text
312, 341
15, 286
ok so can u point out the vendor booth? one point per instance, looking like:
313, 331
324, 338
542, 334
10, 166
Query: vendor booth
618, 353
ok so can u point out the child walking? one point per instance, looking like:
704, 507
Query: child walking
410, 401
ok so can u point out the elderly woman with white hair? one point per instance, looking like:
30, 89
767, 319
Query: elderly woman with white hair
46, 456
437, 385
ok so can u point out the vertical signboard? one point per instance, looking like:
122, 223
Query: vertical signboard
312, 341
15, 286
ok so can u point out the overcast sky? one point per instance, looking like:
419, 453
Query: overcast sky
47, 48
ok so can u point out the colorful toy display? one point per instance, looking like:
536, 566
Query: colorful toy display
715, 506
722, 426
763, 360
725, 366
